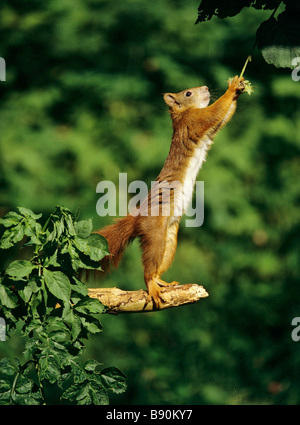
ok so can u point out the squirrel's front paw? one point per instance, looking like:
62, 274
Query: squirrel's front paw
239, 85
236, 84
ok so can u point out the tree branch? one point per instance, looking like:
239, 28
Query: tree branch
119, 301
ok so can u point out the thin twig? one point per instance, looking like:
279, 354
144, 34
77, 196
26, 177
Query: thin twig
249, 59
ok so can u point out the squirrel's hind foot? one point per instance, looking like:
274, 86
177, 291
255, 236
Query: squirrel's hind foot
154, 290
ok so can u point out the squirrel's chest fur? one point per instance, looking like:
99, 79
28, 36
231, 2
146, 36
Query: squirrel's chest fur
172, 192
189, 173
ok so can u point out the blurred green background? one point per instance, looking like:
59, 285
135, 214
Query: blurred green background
82, 102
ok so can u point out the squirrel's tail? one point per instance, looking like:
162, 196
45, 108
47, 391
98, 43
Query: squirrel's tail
118, 235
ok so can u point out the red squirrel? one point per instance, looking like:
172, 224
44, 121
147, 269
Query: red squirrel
194, 126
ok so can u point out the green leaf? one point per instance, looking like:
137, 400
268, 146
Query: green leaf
20, 268
83, 396
4, 385
32, 345
100, 244
49, 367
84, 228
59, 228
26, 212
70, 225
87, 393
113, 379
52, 260
12, 236
5, 398
209, 8
24, 385
79, 393
223, 9
91, 324
90, 306
79, 287
79, 373
279, 39
34, 231
7, 297
91, 365
74, 322
58, 284
76, 262
6, 367
99, 395
26, 293
59, 335
27, 399
95, 246
11, 219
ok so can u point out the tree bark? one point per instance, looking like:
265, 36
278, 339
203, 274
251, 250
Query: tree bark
119, 301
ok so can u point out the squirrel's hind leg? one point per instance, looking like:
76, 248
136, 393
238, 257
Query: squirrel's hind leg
158, 247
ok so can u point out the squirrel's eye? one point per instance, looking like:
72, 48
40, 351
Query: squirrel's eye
188, 93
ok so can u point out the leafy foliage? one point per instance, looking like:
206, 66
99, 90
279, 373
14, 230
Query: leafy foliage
277, 38
57, 314
207, 9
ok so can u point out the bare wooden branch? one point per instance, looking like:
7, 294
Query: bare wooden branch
119, 301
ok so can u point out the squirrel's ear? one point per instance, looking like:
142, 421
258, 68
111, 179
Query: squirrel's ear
169, 98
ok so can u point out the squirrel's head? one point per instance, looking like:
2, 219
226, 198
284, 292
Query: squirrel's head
197, 97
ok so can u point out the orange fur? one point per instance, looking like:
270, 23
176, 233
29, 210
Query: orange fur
194, 126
